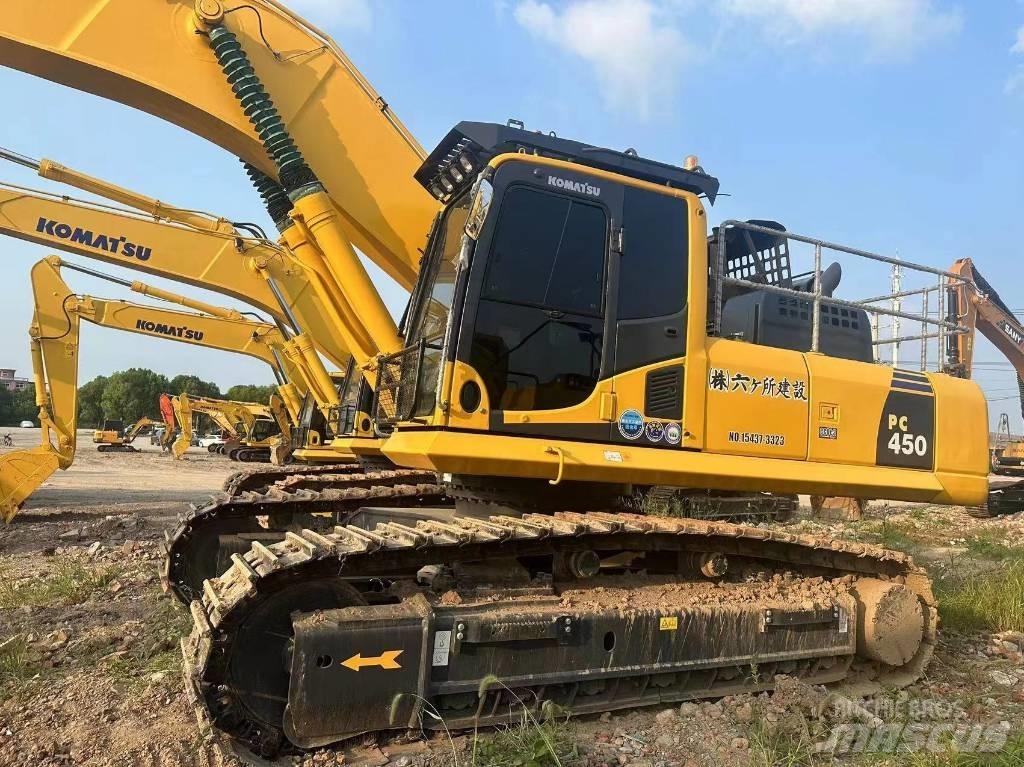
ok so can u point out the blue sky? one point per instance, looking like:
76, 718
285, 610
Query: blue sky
892, 125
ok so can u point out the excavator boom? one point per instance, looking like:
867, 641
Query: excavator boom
348, 133
224, 262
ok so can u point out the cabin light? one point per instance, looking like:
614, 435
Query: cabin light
466, 163
448, 185
691, 162
437, 191
456, 174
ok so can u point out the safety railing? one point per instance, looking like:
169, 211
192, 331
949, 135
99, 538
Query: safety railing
752, 256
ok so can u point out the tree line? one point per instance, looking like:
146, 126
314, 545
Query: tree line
127, 395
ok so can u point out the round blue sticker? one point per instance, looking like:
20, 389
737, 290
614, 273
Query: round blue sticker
631, 424
655, 431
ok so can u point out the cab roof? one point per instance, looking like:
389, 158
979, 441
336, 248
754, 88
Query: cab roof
475, 143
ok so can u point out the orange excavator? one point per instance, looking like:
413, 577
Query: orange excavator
980, 308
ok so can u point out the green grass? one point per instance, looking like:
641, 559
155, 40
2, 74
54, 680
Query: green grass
989, 600
68, 583
528, 743
17, 661
1011, 755
775, 748
991, 544
892, 535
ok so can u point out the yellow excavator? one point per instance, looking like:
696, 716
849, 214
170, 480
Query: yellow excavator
576, 330
977, 304
1008, 452
55, 344
113, 437
248, 421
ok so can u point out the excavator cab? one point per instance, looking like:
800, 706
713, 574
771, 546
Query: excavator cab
109, 432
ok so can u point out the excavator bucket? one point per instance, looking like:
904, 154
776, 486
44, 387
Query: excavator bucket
179, 447
21, 473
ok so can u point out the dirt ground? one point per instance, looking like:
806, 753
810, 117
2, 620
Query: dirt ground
89, 660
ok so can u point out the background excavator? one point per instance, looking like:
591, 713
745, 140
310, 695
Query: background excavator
252, 426
113, 437
192, 248
55, 347
980, 308
537, 379
1008, 452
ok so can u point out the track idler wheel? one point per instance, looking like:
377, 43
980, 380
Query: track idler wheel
890, 621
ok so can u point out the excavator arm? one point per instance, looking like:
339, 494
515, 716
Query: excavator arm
138, 426
55, 344
245, 268
156, 56
980, 308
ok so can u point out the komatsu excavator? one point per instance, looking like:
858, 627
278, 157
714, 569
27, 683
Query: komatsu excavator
113, 437
244, 418
977, 304
576, 329
55, 344
271, 430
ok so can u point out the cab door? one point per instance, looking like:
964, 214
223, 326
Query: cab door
649, 285
535, 323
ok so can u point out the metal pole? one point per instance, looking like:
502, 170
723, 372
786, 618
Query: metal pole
941, 332
719, 282
18, 158
897, 306
924, 331
284, 305
816, 321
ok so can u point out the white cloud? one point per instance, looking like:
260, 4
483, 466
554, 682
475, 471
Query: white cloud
1015, 82
334, 13
632, 45
888, 24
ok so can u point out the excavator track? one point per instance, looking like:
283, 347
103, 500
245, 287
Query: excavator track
1005, 496
250, 454
448, 624
261, 479
116, 449
201, 543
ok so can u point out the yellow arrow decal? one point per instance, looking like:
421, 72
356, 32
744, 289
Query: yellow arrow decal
386, 660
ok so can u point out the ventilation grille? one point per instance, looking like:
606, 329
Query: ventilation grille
663, 397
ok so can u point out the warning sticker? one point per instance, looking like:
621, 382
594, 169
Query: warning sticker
442, 647
669, 624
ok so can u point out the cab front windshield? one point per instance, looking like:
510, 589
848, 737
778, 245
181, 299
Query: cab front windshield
435, 298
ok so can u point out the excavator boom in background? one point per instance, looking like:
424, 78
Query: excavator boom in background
980, 308
55, 346
577, 331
